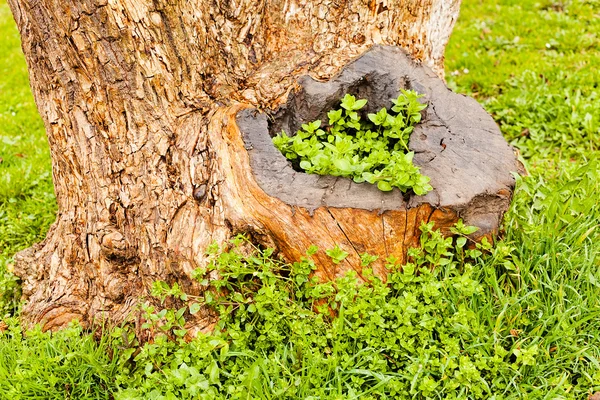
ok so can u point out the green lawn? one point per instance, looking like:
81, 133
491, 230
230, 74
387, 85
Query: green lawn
27, 203
519, 322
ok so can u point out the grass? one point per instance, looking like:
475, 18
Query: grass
27, 203
530, 329
68, 365
534, 65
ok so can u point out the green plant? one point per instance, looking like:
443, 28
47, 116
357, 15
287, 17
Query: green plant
542, 89
433, 329
70, 364
535, 312
27, 202
373, 150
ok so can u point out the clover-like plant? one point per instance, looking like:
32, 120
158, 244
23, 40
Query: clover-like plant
373, 149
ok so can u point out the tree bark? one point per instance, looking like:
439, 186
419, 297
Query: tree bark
140, 100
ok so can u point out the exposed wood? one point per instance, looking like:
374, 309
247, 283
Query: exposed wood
458, 145
139, 100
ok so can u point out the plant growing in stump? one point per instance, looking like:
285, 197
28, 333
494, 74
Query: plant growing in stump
373, 150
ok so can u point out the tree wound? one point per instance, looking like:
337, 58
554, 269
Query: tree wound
457, 144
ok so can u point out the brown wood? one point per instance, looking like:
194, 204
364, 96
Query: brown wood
457, 145
140, 100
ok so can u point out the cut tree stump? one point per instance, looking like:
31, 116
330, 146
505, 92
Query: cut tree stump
141, 101
457, 144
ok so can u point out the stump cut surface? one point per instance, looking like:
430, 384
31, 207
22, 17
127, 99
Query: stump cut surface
457, 144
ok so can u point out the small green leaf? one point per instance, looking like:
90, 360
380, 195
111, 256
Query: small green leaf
334, 116
312, 249
305, 165
359, 104
194, 308
444, 261
470, 230
343, 165
348, 102
384, 186
180, 312
367, 259
180, 332
337, 255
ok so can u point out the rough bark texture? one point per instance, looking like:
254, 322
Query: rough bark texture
139, 100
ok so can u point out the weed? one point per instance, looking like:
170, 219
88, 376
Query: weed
519, 322
374, 151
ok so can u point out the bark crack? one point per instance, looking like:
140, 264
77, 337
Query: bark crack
357, 269
387, 253
433, 209
404, 249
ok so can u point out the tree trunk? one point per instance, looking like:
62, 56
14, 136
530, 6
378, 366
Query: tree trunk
140, 101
